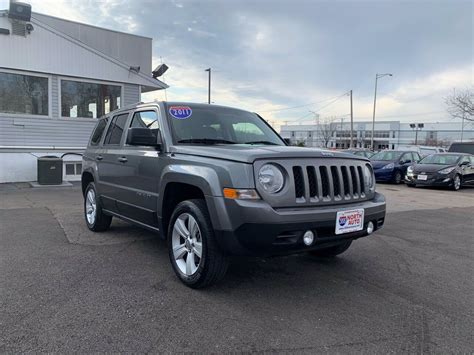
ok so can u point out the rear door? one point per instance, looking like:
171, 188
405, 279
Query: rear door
111, 165
140, 179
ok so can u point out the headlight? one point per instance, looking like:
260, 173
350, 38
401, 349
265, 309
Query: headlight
389, 166
410, 171
447, 170
369, 177
271, 178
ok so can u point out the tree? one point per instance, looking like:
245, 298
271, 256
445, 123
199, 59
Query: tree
461, 104
326, 131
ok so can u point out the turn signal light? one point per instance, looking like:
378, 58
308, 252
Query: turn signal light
241, 194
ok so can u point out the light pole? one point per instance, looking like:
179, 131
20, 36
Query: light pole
416, 127
209, 86
377, 77
351, 145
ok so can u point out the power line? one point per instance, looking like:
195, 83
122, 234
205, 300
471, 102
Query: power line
321, 108
305, 105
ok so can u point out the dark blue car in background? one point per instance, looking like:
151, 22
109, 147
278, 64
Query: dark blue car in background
391, 165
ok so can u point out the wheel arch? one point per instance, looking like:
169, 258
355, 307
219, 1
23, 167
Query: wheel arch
86, 178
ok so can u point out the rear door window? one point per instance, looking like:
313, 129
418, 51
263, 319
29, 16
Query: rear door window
99, 131
115, 131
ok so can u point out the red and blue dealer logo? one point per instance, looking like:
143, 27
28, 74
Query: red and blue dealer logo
342, 221
180, 112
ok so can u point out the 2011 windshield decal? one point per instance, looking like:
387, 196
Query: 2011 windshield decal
180, 112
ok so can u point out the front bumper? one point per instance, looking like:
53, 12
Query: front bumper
255, 228
432, 180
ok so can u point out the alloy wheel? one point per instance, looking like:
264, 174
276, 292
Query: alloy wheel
91, 207
457, 182
187, 244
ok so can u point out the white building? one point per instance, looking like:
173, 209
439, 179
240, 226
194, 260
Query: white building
387, 134
56, 78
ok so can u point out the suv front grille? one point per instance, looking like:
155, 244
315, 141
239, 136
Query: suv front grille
329, 183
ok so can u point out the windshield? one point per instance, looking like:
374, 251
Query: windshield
207, 124
386, 155
440, 159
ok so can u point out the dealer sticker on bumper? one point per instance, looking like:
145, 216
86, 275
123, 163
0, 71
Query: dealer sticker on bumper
349, 221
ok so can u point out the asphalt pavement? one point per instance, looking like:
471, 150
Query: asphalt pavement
409, 288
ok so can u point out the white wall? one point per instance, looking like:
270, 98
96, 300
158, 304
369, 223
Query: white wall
21, 167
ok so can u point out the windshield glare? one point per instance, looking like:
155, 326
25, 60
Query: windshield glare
219, 125
440, 159
386, 156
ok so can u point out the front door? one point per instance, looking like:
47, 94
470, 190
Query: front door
140, 180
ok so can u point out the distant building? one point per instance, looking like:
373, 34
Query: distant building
56, 78
387, 134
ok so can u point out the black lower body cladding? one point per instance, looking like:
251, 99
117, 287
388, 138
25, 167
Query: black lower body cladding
255, 228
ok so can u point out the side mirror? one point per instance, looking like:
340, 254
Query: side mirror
144, 137
466, 164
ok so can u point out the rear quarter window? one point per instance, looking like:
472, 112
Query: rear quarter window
98, 131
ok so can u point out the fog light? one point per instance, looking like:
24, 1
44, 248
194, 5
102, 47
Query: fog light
370, 228
308, 237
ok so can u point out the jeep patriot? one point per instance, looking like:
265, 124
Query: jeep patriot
217, 182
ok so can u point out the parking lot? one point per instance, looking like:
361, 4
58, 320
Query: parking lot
408, 288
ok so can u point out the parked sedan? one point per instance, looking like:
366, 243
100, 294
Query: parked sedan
360, 152
391, 165
443, 169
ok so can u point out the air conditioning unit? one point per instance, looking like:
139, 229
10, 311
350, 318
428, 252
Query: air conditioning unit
50, 170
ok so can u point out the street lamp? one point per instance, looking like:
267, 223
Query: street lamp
377, 77
209, 86
416, 127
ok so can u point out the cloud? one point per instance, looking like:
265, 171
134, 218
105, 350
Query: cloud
267, 55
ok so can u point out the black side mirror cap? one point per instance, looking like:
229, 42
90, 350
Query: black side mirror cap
144, 137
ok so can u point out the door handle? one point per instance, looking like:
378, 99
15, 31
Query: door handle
122, 159
99, 157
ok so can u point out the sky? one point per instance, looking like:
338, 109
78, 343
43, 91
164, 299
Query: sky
290, 59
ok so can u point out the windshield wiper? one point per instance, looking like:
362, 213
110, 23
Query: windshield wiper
262, 142
206, 141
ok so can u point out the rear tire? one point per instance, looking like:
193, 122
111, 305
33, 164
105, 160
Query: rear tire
95, 218
192, 247
332, 251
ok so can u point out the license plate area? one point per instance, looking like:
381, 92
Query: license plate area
422, 177
349, 221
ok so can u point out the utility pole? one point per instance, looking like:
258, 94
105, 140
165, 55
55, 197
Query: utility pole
351, 145
377, 77
209, 86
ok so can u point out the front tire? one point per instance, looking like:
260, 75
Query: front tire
456, 182
397, 179
332, 251
192, 247
95, 218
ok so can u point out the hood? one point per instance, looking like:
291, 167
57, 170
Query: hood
377, 164
250, 153
429, 168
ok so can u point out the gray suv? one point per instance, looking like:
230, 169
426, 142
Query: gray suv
218, 181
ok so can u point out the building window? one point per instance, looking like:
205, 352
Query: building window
23, 94
80, 99
72, 170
